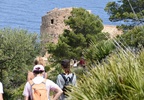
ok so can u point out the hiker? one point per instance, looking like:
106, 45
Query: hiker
66, 77
75, 63
82, 62
1, 91
38, 61
40, 86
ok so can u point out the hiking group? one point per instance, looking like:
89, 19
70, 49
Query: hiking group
78, 63
38, 87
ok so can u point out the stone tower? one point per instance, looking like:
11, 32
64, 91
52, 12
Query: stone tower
53, 24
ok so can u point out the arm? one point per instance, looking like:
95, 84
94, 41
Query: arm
1, 96
59, 82
58, 93
56, 89
74, 81
25, 98
30, 76
26, 91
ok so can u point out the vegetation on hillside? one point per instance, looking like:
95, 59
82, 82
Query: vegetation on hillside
86, 27
18, 48
133, 39
107, 77
119, 77
114, 66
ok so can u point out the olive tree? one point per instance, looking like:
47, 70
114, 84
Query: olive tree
17, 50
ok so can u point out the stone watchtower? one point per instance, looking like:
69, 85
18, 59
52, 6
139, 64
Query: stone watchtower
53, 24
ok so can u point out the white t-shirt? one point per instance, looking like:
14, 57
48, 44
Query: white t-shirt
75, 65
1, 88
50, 85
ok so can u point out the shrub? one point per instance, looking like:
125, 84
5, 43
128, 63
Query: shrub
120, 77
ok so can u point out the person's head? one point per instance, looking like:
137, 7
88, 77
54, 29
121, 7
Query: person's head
39, 60
38, 69
66, 65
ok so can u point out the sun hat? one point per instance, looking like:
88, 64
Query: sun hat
38, 68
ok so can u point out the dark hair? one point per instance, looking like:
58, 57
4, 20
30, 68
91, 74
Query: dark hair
65, 63
38, 71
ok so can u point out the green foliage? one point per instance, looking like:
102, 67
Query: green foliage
120, 77
82, 21
129, 11
133, 38
141, 57
16, 94
55, 70
71, 44
72, 39
18, 48
99, 51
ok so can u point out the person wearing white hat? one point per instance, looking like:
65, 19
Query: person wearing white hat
37, 61
38, 71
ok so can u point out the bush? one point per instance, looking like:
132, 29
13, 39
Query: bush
120, 77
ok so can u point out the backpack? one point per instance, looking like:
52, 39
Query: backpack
39, 91
68, 81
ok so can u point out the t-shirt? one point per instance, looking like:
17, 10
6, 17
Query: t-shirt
75, 65
61, 82
1, 88
50, 85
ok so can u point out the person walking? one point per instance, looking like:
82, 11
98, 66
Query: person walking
1, 91
29, 89
82, 62
37, 61
75, 63
65, 77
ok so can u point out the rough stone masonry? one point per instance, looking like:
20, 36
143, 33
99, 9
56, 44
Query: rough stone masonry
53, 24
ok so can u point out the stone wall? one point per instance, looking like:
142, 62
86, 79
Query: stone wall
53, 24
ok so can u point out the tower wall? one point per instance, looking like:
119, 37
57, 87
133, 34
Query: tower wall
53, 24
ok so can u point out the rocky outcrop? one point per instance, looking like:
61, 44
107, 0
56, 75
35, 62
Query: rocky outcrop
112, 30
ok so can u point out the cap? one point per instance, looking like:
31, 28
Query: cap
38, 68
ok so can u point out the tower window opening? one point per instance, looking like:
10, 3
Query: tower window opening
52, 21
